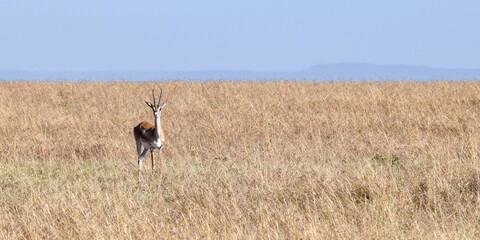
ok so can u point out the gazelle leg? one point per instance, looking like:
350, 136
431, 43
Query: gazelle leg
153, 160
158, 159
139, 148
141, 157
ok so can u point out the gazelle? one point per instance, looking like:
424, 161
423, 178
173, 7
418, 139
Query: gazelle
148, 135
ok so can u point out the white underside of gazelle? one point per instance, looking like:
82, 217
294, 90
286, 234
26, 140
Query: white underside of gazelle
156, 144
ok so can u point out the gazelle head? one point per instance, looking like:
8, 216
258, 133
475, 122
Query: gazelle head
156, 107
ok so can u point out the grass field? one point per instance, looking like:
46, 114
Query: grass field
349, 160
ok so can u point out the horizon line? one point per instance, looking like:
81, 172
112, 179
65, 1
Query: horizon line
242, 69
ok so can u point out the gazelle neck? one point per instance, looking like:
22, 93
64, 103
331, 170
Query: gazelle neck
158, 127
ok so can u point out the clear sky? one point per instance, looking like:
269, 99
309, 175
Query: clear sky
59, 35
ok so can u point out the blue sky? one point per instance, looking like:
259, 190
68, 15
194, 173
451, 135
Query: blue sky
59, 35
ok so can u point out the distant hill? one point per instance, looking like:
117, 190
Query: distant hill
325, 72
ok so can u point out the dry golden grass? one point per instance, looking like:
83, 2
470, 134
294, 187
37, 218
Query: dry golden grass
243, 160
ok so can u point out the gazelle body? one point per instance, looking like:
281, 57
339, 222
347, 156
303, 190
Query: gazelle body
150, 136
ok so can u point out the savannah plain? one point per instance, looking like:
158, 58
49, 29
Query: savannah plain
243, 160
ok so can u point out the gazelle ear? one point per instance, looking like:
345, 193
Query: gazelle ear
163, 105
149, 104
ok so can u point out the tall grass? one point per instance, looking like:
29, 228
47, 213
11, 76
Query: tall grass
242, 160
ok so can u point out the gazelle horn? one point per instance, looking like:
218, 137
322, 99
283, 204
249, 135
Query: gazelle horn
153, 93
160, 98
